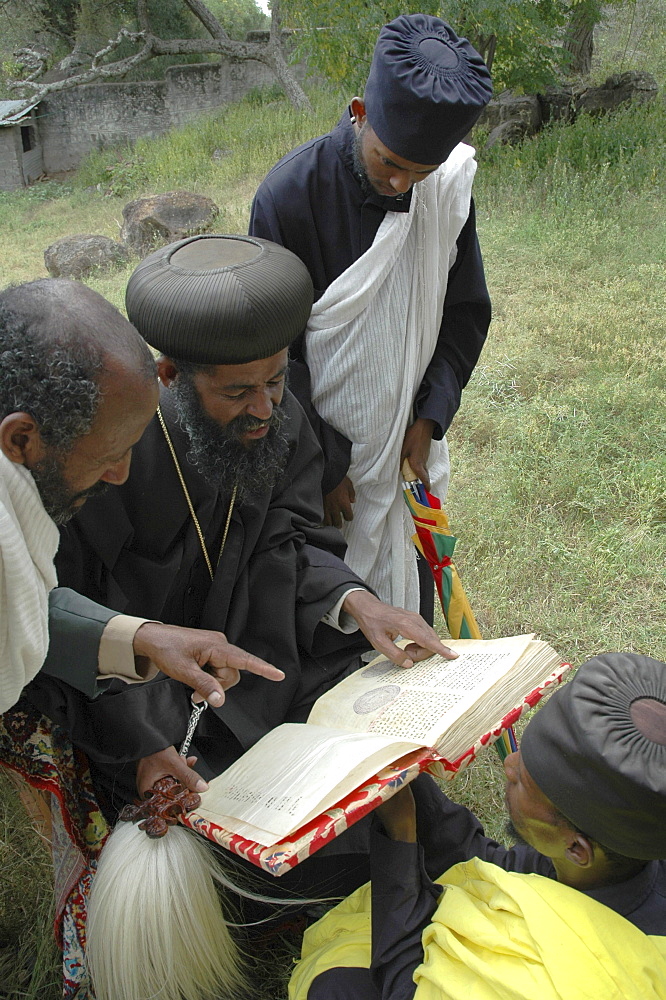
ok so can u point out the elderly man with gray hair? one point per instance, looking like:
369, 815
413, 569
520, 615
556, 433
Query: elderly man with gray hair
78, 387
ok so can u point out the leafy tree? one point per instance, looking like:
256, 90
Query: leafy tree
239, 16
526, 43
337, 36
520, 41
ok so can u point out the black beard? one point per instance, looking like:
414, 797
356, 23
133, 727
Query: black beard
219, 453
360, 172
515, 838
59, 501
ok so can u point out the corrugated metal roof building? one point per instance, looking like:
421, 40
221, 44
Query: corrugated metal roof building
20, 147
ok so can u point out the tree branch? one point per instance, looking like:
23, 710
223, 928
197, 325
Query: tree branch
142, 16
27, 56
207, 18
96, 72
132, 36
271, 54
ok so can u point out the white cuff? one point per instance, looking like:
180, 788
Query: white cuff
339, 619
116, 651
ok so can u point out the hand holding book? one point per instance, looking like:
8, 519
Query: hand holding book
303, 784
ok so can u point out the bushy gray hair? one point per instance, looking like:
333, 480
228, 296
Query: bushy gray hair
56, 339
57, 384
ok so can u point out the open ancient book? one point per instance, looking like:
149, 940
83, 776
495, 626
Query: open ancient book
364, 738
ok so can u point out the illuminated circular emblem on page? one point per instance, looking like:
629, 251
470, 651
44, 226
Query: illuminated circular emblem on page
379, 669
372, 701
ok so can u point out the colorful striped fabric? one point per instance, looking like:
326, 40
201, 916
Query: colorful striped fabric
436, 543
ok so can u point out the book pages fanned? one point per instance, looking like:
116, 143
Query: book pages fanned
302, 784
293, 773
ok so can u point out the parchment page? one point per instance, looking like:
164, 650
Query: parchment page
530, 672
419, 703
291, 775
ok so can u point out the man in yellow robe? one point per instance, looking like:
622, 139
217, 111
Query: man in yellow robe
576, 910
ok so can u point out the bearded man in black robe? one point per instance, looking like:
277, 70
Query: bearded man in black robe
219, 525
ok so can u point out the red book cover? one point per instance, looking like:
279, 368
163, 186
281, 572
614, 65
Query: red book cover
280, 857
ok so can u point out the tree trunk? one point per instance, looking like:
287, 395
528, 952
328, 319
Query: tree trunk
283, 74
579, 38
277, 62
207, 18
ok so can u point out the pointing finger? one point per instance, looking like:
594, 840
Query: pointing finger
234, 658
425, 637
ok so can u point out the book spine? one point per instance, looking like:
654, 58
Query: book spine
280, 858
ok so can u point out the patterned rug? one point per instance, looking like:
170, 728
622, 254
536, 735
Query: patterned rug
41, 754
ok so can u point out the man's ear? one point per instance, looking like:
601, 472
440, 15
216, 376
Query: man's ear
358, 110
20, 439
580, 851
166, 371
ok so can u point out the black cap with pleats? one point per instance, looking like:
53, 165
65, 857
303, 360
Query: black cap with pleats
597, 750
426, 88
221, 300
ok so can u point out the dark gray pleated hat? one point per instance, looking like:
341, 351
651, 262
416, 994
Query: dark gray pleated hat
426, 88
597, 750
220, 300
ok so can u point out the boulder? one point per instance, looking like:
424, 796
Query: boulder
511, 107
508, 133
78, 256
621, 88
164, 218
557, 104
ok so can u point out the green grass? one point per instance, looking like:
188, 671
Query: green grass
584, 168
220, 151
29, 959
558, 488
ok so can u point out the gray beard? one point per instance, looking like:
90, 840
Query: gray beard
59, 501
218, 453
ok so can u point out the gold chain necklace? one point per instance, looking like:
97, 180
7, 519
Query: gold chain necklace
190, 505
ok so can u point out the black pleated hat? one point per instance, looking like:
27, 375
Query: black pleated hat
597, 750
426, 88
220, 300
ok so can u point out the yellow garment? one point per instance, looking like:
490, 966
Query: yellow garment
498, 935
340, 938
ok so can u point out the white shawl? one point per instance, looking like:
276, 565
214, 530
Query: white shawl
28, 544
369, 341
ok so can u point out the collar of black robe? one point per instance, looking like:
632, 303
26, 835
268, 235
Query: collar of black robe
629, 896
344, 139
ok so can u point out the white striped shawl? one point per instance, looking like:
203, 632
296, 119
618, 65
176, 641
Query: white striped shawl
369, 341
28, 544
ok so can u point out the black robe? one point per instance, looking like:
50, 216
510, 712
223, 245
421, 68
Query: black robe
312, 202
136, 550
404, 898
